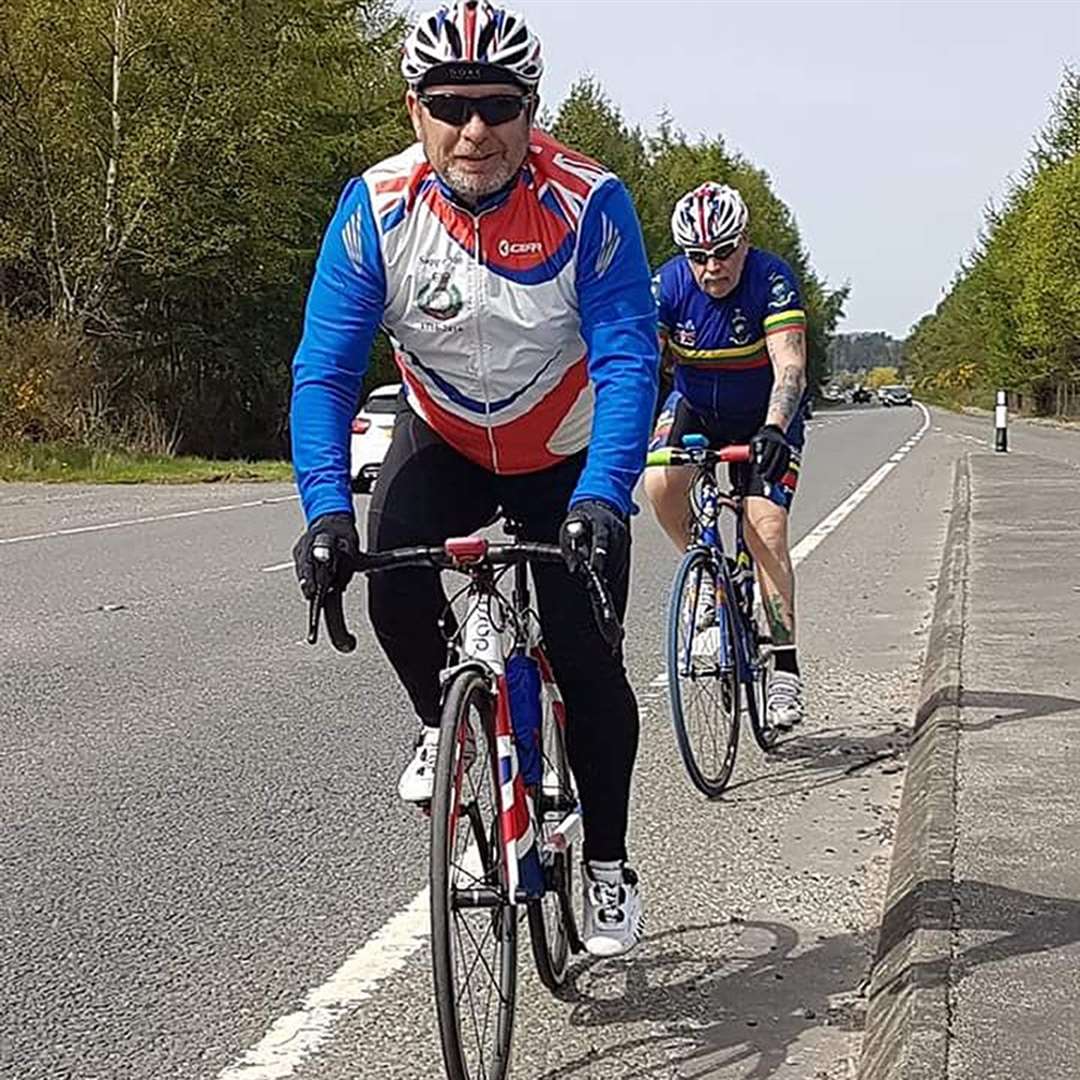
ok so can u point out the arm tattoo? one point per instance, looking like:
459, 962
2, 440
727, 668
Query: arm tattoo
788, 354
786, 394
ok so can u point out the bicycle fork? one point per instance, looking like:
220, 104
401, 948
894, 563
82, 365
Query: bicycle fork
521, 698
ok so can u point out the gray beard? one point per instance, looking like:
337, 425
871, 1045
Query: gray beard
471, 187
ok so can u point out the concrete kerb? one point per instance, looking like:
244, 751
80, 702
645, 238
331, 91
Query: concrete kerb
908, 1012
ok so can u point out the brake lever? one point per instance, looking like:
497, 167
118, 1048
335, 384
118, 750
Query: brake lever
327, 601
611, 629
320, 552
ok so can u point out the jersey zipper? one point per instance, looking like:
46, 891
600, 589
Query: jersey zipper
479, 293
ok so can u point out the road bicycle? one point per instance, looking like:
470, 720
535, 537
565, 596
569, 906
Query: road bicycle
719, 655
505, 816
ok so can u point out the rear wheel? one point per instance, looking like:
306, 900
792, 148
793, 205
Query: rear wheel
473, 925
552, 923
703, 675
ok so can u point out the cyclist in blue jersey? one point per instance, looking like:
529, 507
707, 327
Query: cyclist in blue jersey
511, 276
733, 326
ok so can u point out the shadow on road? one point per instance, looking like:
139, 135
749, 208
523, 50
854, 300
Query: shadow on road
1026, 923
1012, 707
805, 762
744, 1011
828, 756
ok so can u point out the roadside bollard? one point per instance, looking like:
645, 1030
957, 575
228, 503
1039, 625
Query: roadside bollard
1001, 424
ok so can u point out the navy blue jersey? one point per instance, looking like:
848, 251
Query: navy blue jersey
722, 365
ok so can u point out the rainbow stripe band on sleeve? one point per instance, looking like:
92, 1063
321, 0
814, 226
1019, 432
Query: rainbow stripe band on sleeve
737, 357
785, 320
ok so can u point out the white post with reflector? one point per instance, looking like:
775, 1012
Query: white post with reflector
1001, 424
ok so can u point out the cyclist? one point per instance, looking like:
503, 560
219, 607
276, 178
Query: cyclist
732, 324
511, 275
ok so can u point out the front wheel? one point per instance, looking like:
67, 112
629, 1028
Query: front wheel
703, 672
473, 922
759, 666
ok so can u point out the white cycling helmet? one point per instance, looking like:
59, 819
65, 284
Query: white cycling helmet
472, 41
709, 215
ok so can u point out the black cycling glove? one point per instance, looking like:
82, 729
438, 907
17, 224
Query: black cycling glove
771, 453
344, 545
595, 533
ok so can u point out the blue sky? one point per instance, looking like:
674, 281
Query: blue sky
885, 126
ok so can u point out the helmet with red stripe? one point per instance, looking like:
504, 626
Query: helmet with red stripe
472, 41
709, 215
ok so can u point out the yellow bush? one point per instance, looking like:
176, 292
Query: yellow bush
46, 373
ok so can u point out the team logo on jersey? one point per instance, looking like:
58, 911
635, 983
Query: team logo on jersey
439, 297
531, 247
740, 328
685, 334
780, 292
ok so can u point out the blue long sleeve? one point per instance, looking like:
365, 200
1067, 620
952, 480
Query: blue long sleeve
618, 324
344, 309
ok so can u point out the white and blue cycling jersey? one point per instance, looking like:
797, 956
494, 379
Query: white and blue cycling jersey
524, 329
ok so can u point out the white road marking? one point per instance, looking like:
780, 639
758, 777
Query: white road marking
276, 567
296, 1036
80, 529
829, 525
293, 1038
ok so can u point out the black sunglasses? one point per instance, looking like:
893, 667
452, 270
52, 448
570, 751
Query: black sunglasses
457, 109
700, 256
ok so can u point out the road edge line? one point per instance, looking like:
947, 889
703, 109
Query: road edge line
908, 1019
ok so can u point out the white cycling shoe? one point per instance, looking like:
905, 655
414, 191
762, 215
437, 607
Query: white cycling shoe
613, 917
785, 705
418, 780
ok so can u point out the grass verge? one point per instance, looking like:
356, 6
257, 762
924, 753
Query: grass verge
59, 463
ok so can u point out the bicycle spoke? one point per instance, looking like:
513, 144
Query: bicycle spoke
476, 1033
492, 978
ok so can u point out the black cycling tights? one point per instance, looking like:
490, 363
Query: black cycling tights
427, 492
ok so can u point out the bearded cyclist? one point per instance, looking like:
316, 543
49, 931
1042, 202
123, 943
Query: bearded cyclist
732, 324
511, 276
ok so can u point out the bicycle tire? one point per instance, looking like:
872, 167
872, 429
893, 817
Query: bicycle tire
473, 1048
552, 922
692, 677
759, 664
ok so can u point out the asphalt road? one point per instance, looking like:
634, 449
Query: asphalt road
198, 824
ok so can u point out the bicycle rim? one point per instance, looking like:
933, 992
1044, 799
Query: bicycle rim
552, 926
474, 948
704, 693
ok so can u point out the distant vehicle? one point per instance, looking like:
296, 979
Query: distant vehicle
832, 394
372, 427
894, 395
861, 396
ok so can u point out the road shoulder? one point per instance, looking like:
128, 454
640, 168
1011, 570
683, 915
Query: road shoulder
908, 1009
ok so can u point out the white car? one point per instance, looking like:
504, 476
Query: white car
372, 427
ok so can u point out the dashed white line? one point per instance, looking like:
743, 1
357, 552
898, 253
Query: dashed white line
80, 529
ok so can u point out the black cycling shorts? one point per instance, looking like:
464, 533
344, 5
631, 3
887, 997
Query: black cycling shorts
678, 418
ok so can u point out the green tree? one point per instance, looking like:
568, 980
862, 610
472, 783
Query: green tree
1010, 319
167, 167
659, 169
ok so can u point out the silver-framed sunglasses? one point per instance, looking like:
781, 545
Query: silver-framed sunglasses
720, 252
